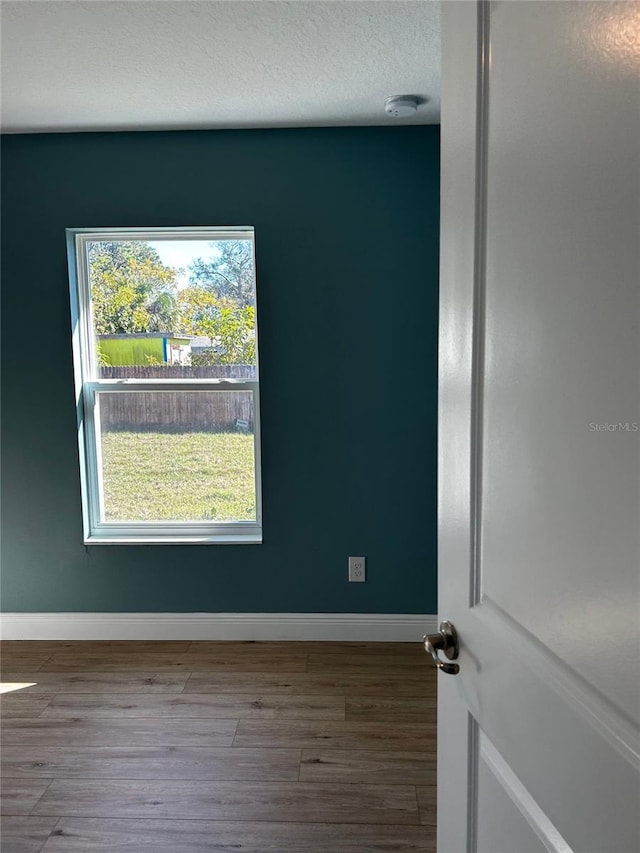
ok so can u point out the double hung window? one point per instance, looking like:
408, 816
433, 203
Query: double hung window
166, 368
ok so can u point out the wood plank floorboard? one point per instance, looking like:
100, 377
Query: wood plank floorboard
399, 663
79, 835
18, 662
231, 705
389, 709
427, 804
20, 796
25, 834
249, 660
136, 731
186, 747
368, 765
348, 735
99, 682
308, 647
115, 662
83, 647
335, 683
308, 801
151, 762
19, 705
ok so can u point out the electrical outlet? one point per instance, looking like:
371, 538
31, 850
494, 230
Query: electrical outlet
356, 569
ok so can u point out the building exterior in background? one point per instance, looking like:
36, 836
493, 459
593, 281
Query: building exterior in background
144, 349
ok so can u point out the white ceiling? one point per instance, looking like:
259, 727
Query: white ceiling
155, 64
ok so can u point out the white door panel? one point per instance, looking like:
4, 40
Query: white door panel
561, 331
506, 811
539, 563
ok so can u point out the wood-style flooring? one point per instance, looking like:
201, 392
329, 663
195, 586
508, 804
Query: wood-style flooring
187, 747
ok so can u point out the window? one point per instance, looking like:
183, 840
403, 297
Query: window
166, 367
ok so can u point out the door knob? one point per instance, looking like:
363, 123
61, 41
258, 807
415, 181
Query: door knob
446, 640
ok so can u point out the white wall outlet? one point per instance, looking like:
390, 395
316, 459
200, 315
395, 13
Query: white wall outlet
356, 569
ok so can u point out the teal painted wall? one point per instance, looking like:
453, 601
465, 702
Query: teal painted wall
346, 226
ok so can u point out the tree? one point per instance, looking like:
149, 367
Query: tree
230, 274
230, 328
131, 289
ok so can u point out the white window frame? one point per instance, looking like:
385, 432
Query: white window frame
88, 385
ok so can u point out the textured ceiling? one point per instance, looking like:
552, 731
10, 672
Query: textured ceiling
152, 64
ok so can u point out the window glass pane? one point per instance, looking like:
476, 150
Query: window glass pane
176, 456
173, 308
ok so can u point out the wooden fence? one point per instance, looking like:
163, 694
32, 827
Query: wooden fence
178, 411
178, 371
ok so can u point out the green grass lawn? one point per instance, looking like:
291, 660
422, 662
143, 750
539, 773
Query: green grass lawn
191, 476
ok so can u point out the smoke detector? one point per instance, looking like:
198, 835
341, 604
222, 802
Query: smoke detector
401, 106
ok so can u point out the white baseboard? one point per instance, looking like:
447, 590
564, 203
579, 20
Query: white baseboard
371, 627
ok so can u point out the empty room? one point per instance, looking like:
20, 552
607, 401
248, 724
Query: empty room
320, 426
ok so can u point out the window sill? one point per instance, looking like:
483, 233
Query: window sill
213, 539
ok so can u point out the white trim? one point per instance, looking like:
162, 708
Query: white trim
204, 232
371, 627
187, 537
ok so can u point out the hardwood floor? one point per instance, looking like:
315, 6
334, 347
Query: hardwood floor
187, 747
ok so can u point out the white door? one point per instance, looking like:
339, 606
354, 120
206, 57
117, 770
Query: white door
539, 454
